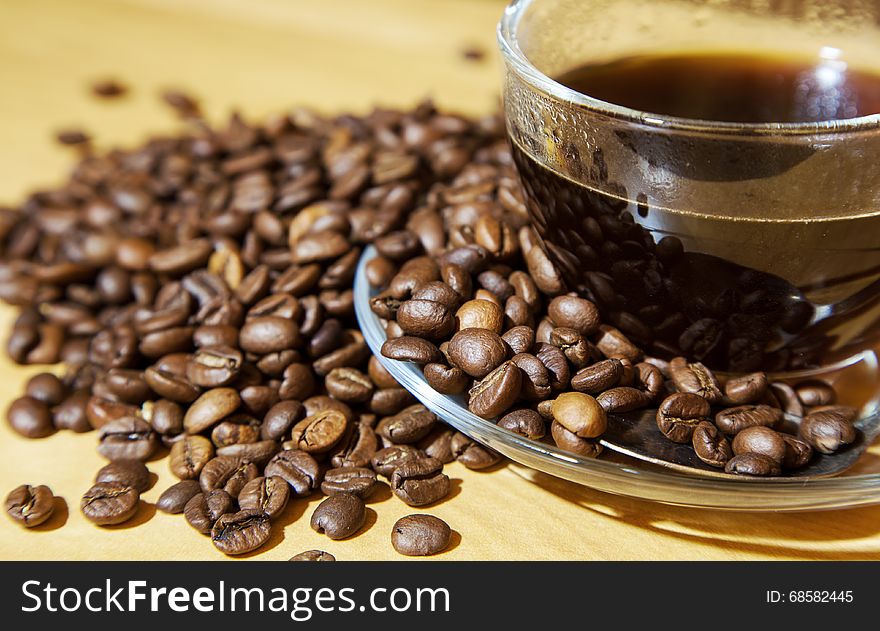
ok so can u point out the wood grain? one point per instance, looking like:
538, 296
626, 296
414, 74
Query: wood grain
263, 56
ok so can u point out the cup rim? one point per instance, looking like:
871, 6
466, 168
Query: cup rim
514, 56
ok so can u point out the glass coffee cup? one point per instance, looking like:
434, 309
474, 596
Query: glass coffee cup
743, 245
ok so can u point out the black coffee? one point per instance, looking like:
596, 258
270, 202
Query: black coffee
733, 88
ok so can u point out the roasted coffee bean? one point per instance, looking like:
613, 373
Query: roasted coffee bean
752, 464
379, 374
30, 417
438, 443
680, 414
298, 468
298, 382
828, 429
319, 432
214, 366
71, 413
357, 481
623, 399
760, 440
173, 340
339, 516
580, 414
425, 318
47, 388
108, 504
389, 401
411, 349
30, 505
788, 399
446, 379
420, 481
733, 420
227, 473
386, 460
520, 339
166, 417
615, 345
204, 509
477, 351
258, 453
269, 334
497, 392
556, 363
211, 407
175, 497
536, 380
236, 430
813, 393
599, 377
183, 258
569, 441
128, 385
695, 378
407, 426
576, 349
241, 532
209, 335
420, 535
357, 448
280, 418
269, 495
472, 454
479, 314
525, 422
170, 386
313, 555
710, 445
797, 452
746, 389
574, 313
349, 385
127, 438
189, 456
131, 473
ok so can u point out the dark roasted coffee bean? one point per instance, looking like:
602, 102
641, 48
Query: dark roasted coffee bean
313, 555
569, 441
680, 414
599, 377
183, 258
556, 363
298, 382
241, 532
170, 386
536, 380
189, 456
211, 407
269, 334
47, 388
204, 509
127, 385
175, 497
30, 417
574, 313
811, 393
71, 413
30, 505
580, 414
497, 392
472, 454
166, 417
269, 495
733, 420
615, 345
349, 385
353, 353
438, 443
386, 460
695, 378
258, 453
379, 374
446, 379
525, 422
787, 398
319, 432
420, 481
407, 426
298, 468
358, 481
108, 504
280, 418
797, 452
236, 430
420, 535
752, 464
828, 429
209, 335
339, 516
228, 473
746, 389
173, 340
127, 438
214, 366
520, 339
710, 445
623, 399
411, 349
425, 318
389, 401
131, 473
760, 440
477, 351
576, 349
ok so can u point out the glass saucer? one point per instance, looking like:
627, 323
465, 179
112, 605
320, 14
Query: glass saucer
613, 473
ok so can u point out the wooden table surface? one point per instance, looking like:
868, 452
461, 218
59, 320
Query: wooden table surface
336, 55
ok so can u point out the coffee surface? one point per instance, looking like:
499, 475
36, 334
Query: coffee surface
732, 87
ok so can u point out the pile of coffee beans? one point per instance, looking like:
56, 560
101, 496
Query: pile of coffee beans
198, 291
